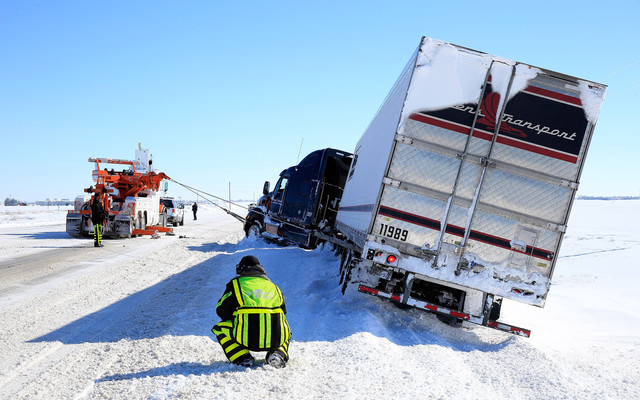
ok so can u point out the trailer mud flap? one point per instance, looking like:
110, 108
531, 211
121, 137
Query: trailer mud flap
445, 311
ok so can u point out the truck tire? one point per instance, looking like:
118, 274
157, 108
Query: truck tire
255, 229
134, 226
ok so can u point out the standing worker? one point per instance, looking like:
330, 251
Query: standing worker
194, 208
97, 218
253, 317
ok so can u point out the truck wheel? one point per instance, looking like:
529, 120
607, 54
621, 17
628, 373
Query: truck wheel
254, 230
134, 226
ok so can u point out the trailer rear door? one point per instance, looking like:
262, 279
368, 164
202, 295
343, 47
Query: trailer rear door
488, 201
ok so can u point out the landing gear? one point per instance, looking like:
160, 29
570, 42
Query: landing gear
348, 260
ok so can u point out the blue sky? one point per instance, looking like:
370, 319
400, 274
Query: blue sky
226, 92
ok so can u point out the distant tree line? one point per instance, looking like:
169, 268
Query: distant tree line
608, 197
11, 201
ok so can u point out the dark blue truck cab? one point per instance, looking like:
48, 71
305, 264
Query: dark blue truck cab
305, 198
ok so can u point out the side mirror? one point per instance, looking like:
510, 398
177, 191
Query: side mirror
181, 206
265, 188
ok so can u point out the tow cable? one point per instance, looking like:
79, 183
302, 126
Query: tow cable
236, 216
200, 193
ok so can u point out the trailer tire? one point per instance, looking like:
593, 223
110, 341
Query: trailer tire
449, 320
494, 314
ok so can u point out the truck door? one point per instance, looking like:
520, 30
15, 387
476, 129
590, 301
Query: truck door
278, 194
299, 196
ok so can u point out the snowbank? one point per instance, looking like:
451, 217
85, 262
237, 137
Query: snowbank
131, 321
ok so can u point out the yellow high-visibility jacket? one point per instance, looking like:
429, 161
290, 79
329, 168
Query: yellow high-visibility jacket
256, 307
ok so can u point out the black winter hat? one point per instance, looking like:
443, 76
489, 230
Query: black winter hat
248, 261
246, 264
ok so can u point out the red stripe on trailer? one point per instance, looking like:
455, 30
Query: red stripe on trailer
523, 332
554, 95
460, 315
396, 298
430, 307
508, 328
502, 139
545, 151
366, 289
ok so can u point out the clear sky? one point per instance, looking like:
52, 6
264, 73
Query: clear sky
226, 92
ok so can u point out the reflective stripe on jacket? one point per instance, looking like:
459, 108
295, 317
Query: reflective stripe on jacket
259, 321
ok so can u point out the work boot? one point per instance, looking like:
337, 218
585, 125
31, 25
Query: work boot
276, 359
245, 361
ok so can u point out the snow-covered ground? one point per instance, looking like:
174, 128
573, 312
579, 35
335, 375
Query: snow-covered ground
132, 320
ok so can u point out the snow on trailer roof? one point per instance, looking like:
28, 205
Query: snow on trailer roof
458, 73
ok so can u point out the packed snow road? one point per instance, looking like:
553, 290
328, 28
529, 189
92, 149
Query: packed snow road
132, 321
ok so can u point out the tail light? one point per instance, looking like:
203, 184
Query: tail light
383, 257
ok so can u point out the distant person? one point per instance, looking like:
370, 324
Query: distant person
194, 208
253, 317
97, 218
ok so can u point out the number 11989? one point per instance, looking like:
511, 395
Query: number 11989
393, 232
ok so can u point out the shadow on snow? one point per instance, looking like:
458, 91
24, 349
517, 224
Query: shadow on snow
184, 304
41, 235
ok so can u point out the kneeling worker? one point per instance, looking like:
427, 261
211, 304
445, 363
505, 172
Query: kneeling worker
253, 312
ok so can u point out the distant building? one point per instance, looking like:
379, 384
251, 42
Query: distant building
54, 202
11, 201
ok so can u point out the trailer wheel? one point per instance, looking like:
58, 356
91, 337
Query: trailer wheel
494, 314
449, 320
